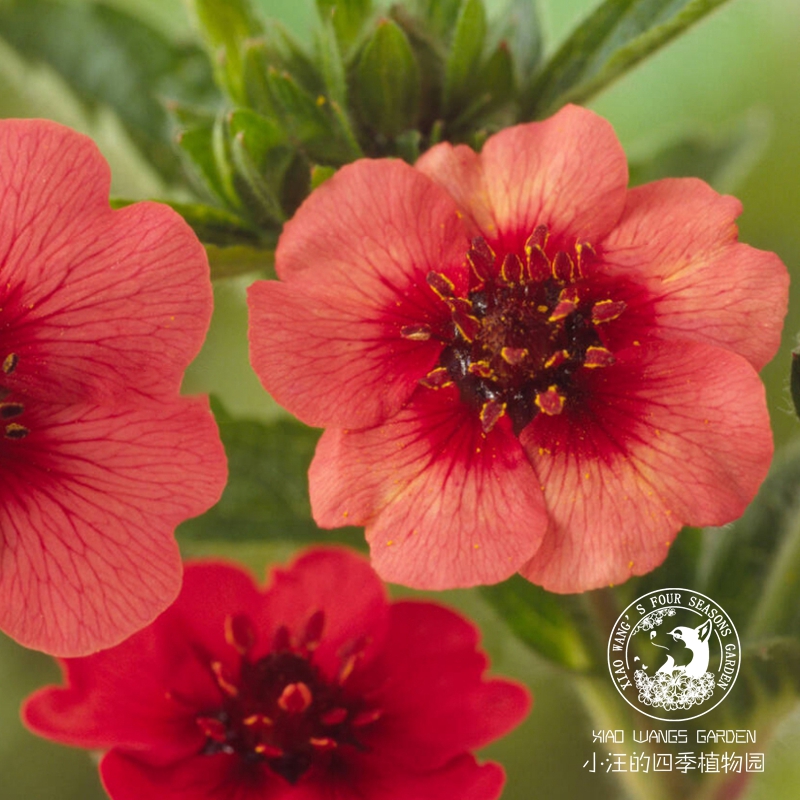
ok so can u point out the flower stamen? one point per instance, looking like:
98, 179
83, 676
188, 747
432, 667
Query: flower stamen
16, 431
280, 709
551, 402
519, 335
10, 363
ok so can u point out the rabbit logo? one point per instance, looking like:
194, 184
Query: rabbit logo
674, 654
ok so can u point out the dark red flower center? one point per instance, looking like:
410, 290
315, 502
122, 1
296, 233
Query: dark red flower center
527, 325
280, 710
10, 408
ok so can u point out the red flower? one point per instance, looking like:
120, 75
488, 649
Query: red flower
100, 459
521, 364
314, 688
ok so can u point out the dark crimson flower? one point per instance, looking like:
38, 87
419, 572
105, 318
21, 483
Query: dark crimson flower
314, 688
100, 313
521, 364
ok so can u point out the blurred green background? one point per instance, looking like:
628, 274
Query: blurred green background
740, 66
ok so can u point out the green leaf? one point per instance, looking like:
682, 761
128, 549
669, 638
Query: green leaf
262, 202
721, 160
408, 145
262, 156
223, 159
521, 30
278, 49
439, 15
388, 81
315, 125
262, 135
494, 89
320, 174
212, 225
197, 146
614, 38
464, 58
266, 497
543, 621
752, 567
331, 64
230, 262
225, 25
348, 18
109, 57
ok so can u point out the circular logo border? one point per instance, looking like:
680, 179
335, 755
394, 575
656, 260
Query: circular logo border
657, 592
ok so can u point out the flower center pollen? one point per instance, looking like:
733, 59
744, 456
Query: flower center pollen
280, 710
10, 409
527, 325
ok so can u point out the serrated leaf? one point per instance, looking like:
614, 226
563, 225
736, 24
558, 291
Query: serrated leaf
225, 26
266, 497
99, 51
722, 161
465, 54
348, 18
388, 81
615, 37
543, 621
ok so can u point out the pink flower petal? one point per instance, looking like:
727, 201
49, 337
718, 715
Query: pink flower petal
677, 433
461, 778
355, 258
89, 294
444, 504
143, 700
211, 595
436, 702
91, 498
332, 580
458, 170
126, 776
109, 700
680, 236
568, 172
326, 354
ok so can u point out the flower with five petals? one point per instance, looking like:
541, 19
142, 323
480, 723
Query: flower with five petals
522, 365
314, 688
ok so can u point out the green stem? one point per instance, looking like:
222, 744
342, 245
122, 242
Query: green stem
780, 586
